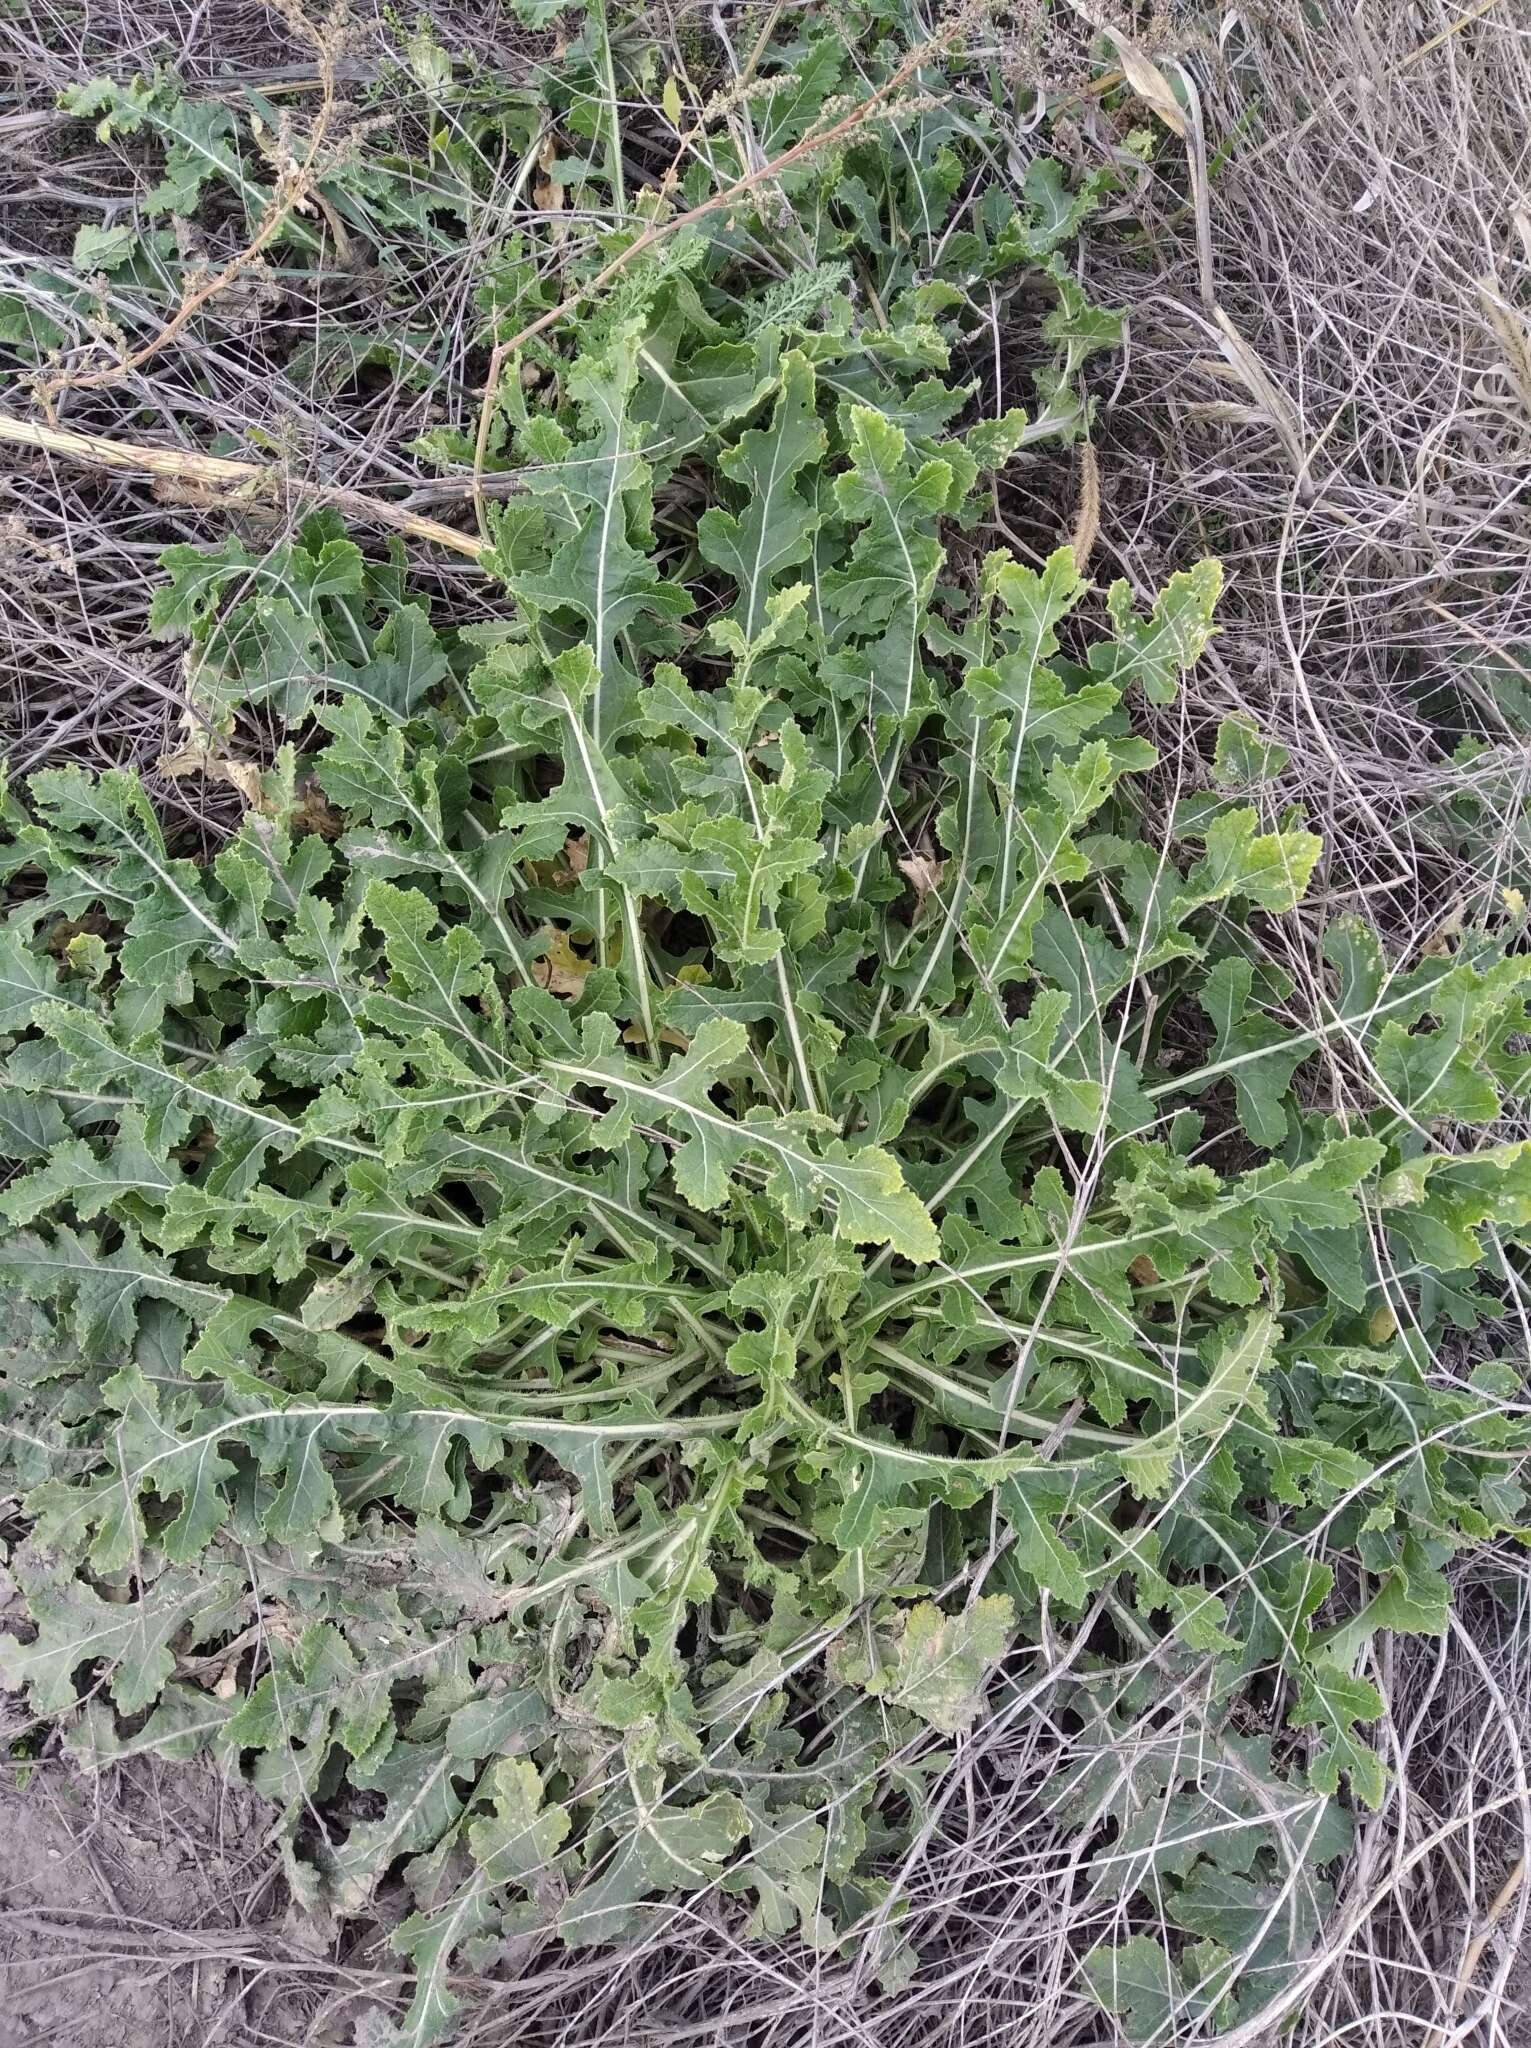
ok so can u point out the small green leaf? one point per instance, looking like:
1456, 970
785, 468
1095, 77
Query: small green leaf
1331, 1701
1270, 869
98, 248
1243, 759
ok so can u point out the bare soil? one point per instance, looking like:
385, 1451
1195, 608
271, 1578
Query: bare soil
143, 1907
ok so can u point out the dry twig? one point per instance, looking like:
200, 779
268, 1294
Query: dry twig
248, 481
294, 185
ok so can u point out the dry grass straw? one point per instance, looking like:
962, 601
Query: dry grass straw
1329, 389
228, 482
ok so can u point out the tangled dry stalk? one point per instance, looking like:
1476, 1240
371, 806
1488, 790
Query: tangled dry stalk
1328, 388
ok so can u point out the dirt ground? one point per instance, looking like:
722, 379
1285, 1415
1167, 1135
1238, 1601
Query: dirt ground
144, 1908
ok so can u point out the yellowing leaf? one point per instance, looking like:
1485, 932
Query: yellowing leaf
943, 1660
194, 759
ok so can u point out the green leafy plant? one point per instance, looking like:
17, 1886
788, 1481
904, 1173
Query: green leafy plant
694, 1183
303, 620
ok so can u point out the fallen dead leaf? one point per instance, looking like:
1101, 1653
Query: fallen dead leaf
547, 192
1439, 944
313, 812
634, 1034
245, 776
925, 872
561, 970
1148, 82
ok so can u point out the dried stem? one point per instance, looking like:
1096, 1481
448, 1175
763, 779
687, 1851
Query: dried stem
250, 480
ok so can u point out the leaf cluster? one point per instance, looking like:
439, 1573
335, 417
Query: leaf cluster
694, 1184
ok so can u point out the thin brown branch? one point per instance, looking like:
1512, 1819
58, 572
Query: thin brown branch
293, 187
658, 231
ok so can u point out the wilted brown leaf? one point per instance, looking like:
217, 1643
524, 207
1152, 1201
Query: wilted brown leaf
245, 776
561, 970
925, 872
